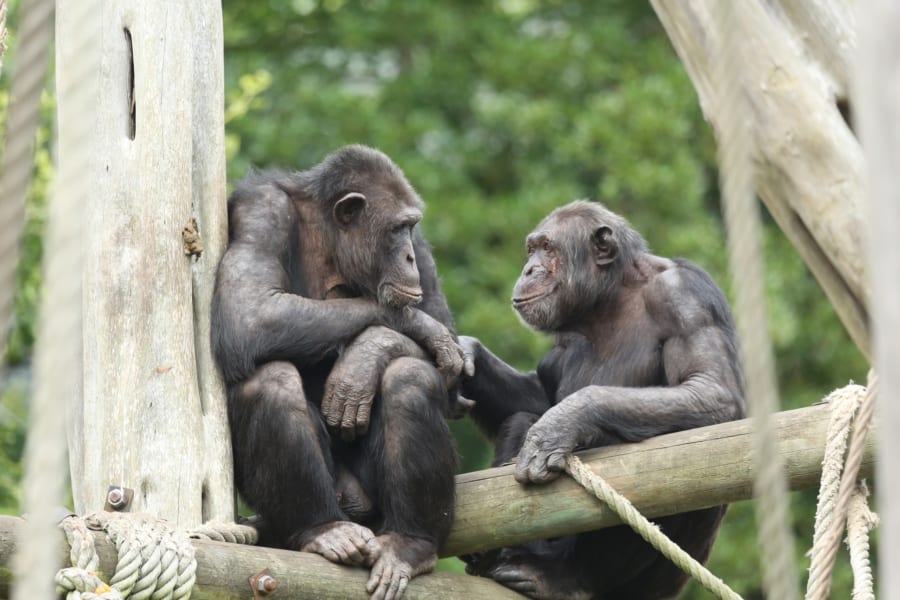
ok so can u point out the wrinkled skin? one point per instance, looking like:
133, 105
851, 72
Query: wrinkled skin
323, 267
644, 346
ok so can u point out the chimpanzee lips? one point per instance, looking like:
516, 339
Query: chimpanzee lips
413, 295
522, 301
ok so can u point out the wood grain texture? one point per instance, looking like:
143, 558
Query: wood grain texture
673, 473
152, 414
809, 164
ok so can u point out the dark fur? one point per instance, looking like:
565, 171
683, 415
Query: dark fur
644, 346
301, 279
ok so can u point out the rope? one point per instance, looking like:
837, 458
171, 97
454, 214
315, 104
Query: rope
838, 491
225, 532
745, 264
35, 31
155, 561
647, 530
860, 521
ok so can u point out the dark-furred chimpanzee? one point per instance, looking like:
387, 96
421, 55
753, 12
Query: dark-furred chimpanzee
323, 261
644, 346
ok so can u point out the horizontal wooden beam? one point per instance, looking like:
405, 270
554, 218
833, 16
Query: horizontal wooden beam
674, 473
224, 571
669, 474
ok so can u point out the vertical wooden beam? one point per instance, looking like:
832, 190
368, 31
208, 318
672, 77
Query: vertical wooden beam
808, 162
152, 414
877, 110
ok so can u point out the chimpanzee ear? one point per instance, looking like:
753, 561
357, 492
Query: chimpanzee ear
348, 208
605, 249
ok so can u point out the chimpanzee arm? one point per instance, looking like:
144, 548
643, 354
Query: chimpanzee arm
699, 357
356, 376
258, 319
499, 390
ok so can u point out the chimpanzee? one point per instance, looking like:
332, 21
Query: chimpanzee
644, 346
323, 261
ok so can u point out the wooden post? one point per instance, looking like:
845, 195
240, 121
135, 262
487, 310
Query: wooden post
152, 416
877, 110
808, 162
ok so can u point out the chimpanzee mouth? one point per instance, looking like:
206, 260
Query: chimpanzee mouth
517, 302
411, 295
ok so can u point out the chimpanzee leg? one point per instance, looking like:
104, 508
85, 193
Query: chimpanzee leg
410, 473
283, 465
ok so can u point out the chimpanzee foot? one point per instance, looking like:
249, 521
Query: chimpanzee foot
536, 581
341, 542
402, 558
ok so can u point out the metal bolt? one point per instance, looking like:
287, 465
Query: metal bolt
266, 584
263, 584
116, 498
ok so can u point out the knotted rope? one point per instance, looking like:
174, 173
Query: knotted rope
841, 498
154, 560
646, 529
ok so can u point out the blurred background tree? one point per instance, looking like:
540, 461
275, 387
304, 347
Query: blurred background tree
498, 111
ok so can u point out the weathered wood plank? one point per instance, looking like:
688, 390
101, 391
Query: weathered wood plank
664, 475
224, 571
808, 164
152, 415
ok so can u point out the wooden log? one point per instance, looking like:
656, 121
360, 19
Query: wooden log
661, 476
808, 164
674, 473
152, 413
224, 572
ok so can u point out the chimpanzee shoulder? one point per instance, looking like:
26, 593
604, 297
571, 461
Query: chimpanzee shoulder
686, 297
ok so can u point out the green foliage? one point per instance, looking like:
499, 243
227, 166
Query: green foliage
498, 111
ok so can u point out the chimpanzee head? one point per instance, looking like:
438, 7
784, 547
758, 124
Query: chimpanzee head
372, 212
576, 258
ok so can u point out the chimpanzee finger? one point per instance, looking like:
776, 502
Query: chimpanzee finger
376, 576
362, 418
395, 590
348, 422
557, 461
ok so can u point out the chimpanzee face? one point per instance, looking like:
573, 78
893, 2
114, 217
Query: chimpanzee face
375, 251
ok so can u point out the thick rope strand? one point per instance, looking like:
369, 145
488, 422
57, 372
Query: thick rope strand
860, 521
647, 530
822, 567
745, 252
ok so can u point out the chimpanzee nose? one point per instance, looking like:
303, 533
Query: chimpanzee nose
411, 258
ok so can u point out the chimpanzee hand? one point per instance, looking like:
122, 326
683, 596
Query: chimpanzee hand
557, 433
356, 377
437, 340
350, 390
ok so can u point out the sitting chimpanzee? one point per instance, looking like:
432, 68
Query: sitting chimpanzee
644, 346
321, 261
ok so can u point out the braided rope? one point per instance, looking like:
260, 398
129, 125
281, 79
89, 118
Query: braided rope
35, 31
647, 530
218, 531
742, 220
844, 403
860, 521
826, 544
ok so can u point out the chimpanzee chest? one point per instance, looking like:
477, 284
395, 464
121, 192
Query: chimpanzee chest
628, 357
